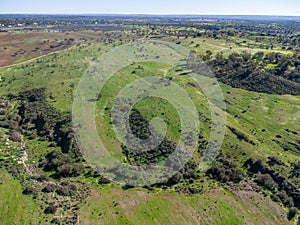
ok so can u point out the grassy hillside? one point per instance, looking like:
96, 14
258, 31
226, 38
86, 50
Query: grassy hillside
112, 205
259, 126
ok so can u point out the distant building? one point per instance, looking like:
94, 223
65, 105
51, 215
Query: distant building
52, 31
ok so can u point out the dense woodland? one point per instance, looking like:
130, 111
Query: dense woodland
272, 73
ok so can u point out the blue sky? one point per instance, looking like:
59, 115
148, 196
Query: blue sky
225, 7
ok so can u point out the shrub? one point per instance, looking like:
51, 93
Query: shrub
266, 181
70, 170
225, 172
66, 189
15, 136
274, 160
4, 124
256, 167
275, 198
283, 198
55, 159
51, 209
49, 188
104, 180
296, 169
175, 179
29, 190
43, 177
292, 213
55, 221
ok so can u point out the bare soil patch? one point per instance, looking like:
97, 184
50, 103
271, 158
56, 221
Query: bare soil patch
20, 47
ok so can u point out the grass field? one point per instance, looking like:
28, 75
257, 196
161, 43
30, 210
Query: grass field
16, 208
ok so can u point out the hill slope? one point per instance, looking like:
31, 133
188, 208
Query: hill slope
259, 126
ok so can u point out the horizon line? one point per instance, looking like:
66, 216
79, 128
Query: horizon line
145, 14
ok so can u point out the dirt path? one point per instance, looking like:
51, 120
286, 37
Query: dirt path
24, 157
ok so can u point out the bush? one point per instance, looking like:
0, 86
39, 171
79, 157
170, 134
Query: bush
49, 188
255, 166
175, 179
275, 198
274, 160
56, 221
227, 171
292, 213
55, 159
283, 198
103, 180
43, 177
189, 171
240, 135
296, 169
3, 112
4, 124
29, 190
266, 181
51, 209
15, 136
66, 189
70, 170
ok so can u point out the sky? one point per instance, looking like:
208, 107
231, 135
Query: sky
162, 7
